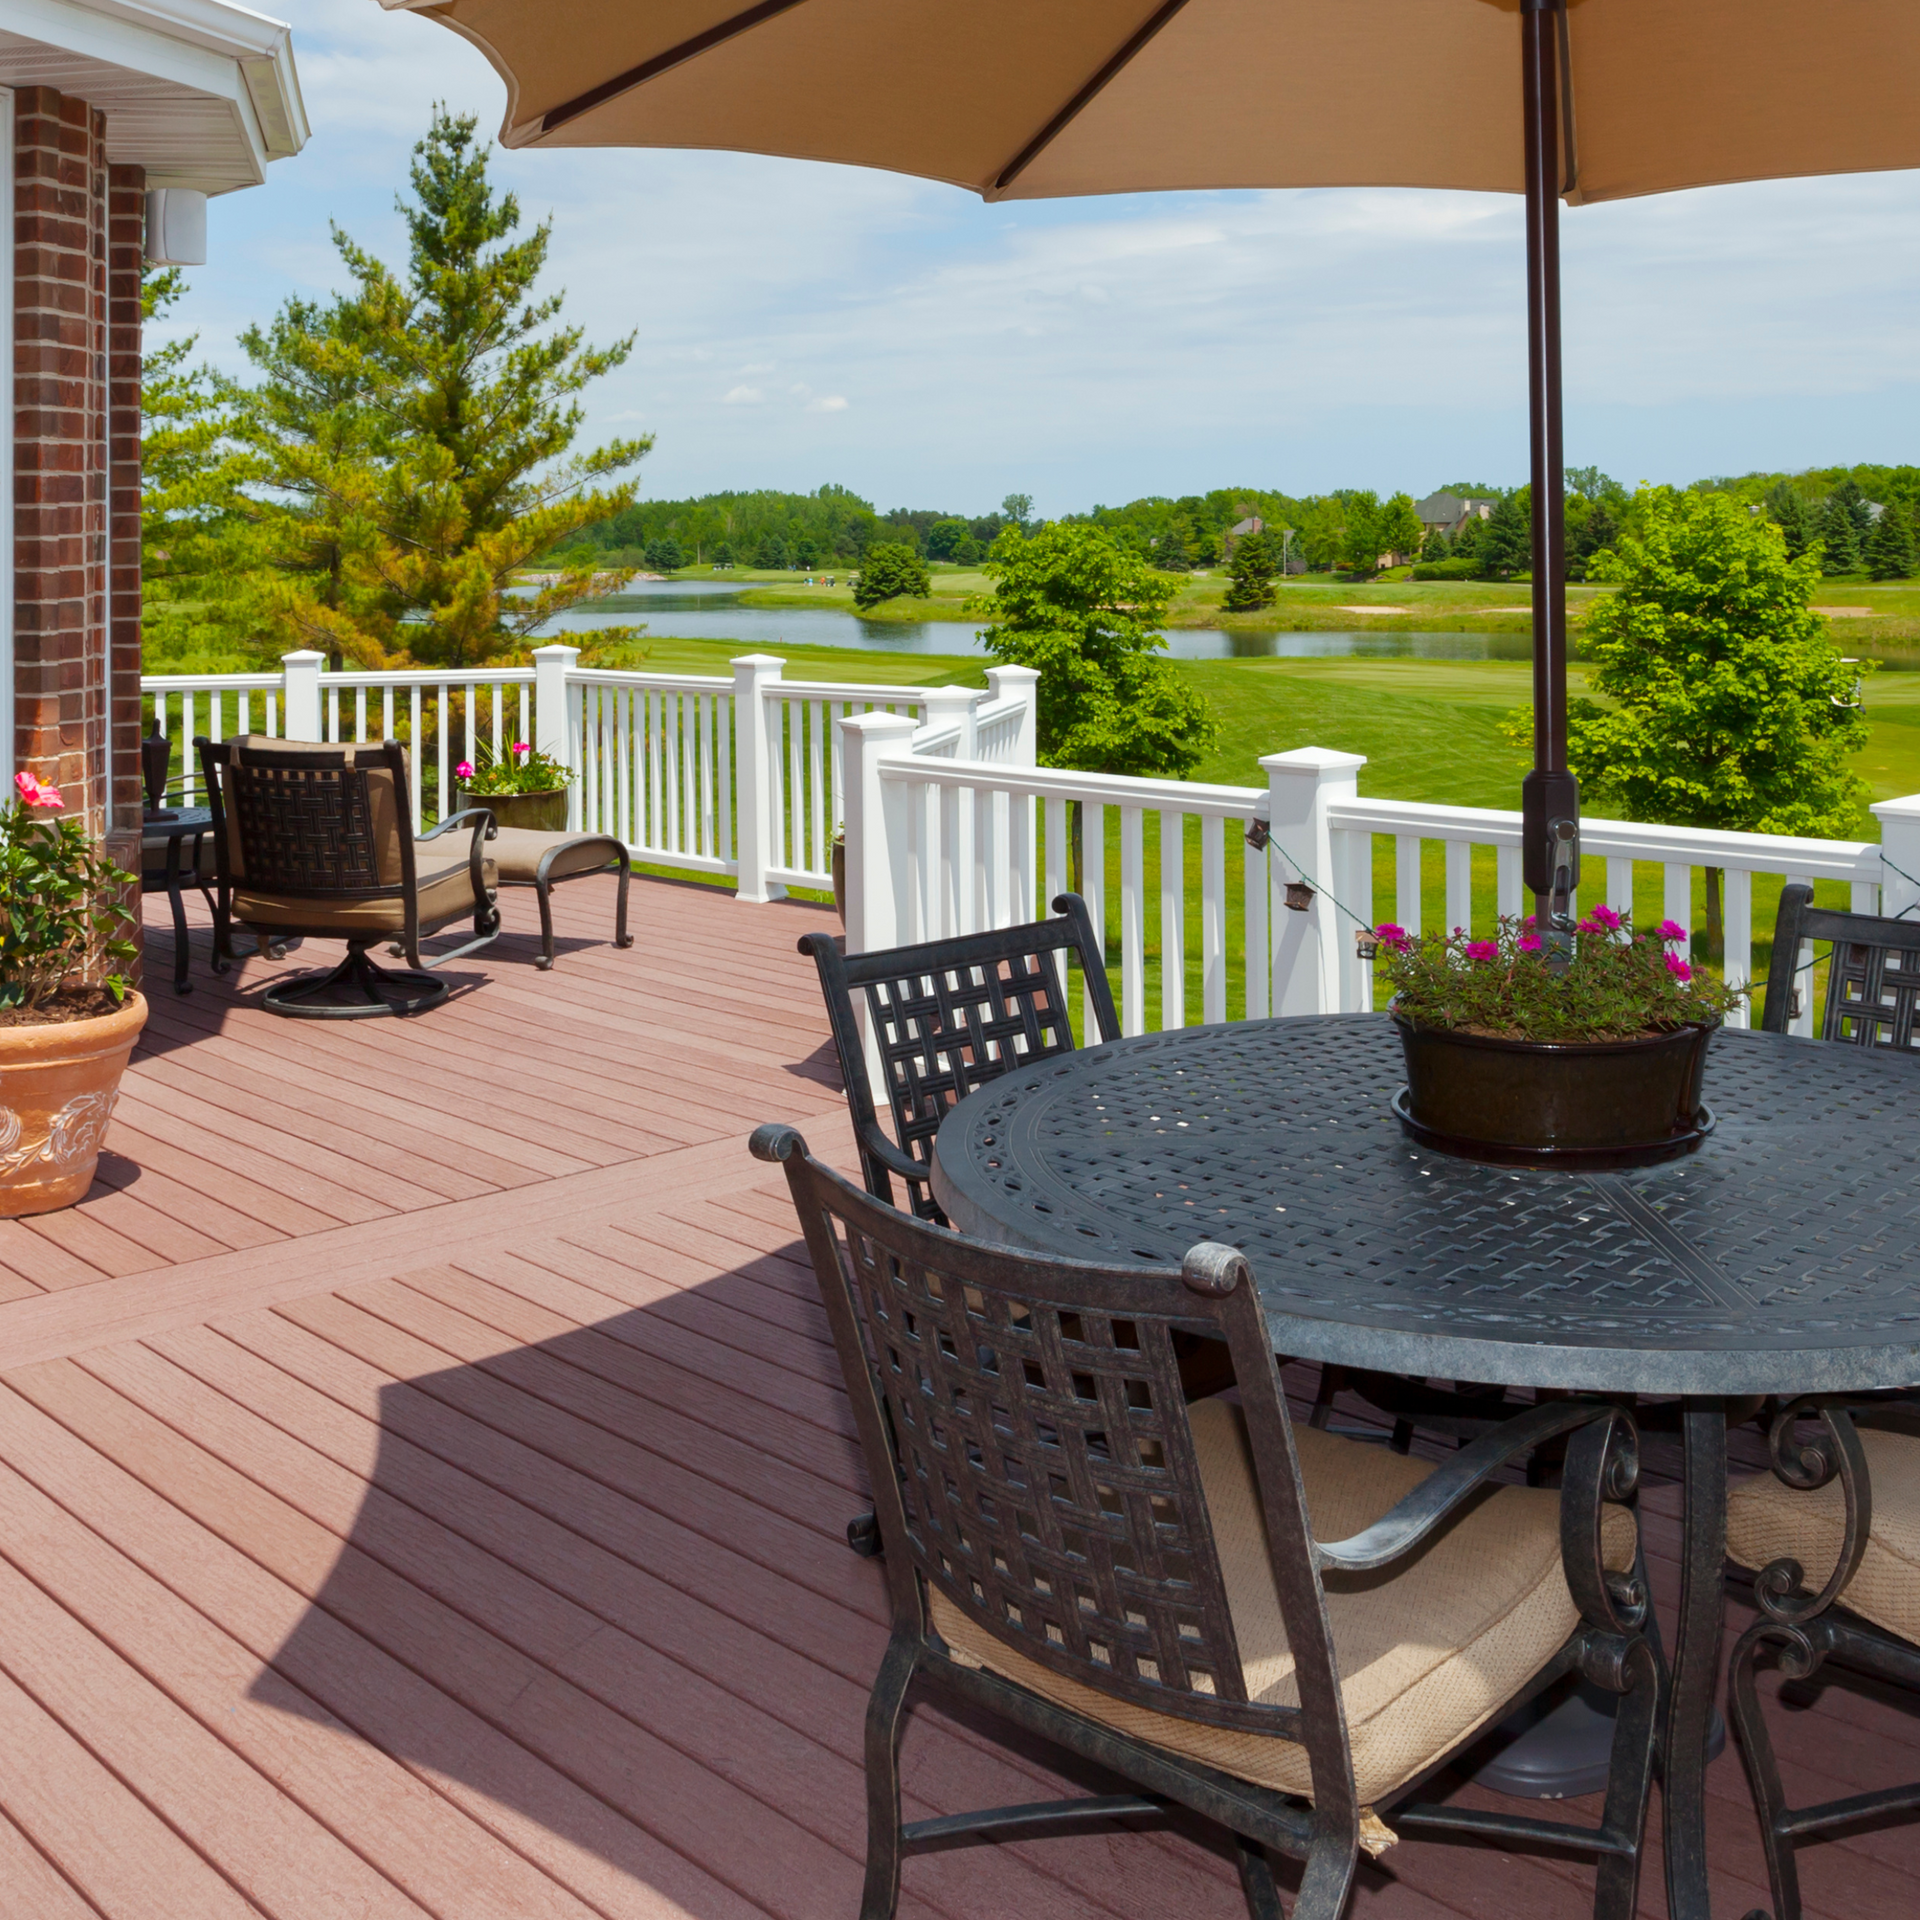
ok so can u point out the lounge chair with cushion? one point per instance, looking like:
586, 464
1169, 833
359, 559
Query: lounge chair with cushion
312, 842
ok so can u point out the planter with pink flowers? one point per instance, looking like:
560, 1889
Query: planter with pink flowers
1522, 1058
520, 787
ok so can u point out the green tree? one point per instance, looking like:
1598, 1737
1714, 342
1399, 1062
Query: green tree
412, 440
1075, 604
1400, 529
1890, 548
1505, 541
665, 555
1250, 574
945, 538
891, 571
1361, 545
1839, 537
1793, 514
1018, 507
1730, 706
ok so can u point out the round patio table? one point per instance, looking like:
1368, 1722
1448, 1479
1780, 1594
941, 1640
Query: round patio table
1783, 1257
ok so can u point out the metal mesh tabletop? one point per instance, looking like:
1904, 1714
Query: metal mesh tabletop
1783, 1256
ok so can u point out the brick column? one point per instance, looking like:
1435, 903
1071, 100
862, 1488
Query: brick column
126, 234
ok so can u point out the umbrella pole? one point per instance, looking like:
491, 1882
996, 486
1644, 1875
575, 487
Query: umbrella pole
1549, 796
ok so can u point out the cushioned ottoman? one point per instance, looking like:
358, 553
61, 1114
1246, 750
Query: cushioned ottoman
541, 860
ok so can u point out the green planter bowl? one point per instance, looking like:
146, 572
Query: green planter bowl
541, 812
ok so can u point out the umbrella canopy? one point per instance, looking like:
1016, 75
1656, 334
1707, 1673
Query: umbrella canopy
1582, 100
1021, 100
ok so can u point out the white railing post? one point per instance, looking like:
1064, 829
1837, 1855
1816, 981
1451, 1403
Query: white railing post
953, 707
1301, 786
1022, 684
876, 823
300, 695
1899, 853
553, 717
756, 789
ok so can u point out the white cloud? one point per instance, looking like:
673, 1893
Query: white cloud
1095, 349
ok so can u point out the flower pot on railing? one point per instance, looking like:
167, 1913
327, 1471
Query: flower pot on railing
64, 1038
837, 865
542, 812
1589, 1057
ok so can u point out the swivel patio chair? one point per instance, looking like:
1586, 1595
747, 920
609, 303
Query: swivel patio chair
1873, 972
1285, 1632
948, 1016
1832, 1535
312, 841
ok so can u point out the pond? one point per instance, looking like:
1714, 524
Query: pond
711, 610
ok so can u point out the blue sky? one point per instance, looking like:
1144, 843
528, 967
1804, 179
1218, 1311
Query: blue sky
800, 323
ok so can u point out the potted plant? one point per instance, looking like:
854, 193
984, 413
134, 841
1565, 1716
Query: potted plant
65, 1030
837, 866
522, 787
1596, 1061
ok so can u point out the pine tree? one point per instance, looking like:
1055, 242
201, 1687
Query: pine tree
1890, 547
1793, 514
890, 571
411, 440
1506, 541
1250, 575
1839, 539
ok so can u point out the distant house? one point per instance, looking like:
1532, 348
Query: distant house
1239, 532
1448, 512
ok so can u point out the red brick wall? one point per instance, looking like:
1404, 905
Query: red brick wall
60, 447
126, 235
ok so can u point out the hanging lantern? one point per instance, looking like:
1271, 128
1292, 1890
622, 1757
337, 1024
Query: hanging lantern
1365, 943
1299, 895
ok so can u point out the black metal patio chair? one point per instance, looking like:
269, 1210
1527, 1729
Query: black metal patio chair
1832, 1536
1283, 1631
313, 840
948, 1016
1873, 972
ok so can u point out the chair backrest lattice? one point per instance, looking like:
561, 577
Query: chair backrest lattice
948, 1016
1047, 1475
310, 821
1873, 973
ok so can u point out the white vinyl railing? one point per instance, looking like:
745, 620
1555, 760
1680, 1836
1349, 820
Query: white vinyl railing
940, 845
735, 775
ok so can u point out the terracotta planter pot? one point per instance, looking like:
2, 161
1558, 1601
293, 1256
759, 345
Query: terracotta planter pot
1536, 1103
838, 863
58, 1084
541, 812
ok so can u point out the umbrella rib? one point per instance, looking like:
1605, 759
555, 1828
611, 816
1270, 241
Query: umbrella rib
1087, 94
556, 117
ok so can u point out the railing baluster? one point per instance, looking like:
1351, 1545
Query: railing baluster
724, 718
359, 714
1213, 919
386, 711
1406, 881
1093, 884
1676, 896
415, 753
709, 820
1173, 913
187, 732
1620, 885
1057, 863
1510, 883
1259, 952
795, 713
817, 793
1738, 886
440, 804
1133, 932
1460, 885
1802, 1023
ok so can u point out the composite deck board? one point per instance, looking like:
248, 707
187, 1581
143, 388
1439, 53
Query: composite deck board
402, 1516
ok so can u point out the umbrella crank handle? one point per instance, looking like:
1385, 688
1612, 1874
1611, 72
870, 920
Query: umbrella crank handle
1563, 862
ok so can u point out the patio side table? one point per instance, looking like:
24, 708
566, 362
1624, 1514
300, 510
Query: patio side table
163, 834
1781, 1258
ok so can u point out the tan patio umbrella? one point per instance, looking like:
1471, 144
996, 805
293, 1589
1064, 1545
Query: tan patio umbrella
1026, 99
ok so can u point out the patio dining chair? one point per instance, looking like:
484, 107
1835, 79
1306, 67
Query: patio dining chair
312, 841
948, 1016
1832, 1536
1873, 972
1284, 1632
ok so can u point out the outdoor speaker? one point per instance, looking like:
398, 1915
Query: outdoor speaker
176, 227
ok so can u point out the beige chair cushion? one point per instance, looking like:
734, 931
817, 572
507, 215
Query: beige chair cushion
1429, 1649
388, 810
518, 850
446, 895
1767, 1521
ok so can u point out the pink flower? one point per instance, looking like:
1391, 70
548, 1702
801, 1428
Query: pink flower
1529, 941
520, 747
463, 770
1605, 918
1531, 921
1670, 930
36, 793
1483, 949
1679, 968
1391, 937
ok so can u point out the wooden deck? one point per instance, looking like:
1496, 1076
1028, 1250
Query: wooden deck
422, 1474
